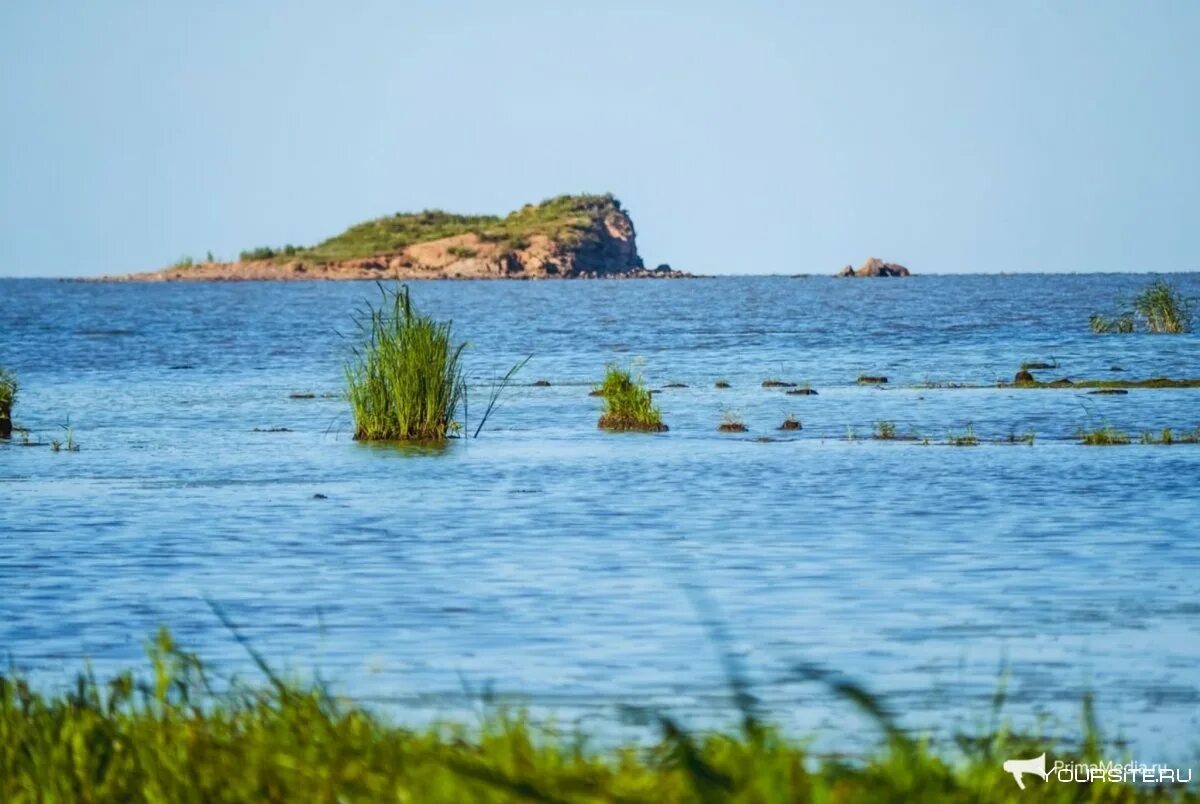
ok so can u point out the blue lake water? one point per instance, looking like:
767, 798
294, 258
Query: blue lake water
550, 560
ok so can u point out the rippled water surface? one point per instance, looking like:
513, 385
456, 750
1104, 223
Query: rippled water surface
549, 559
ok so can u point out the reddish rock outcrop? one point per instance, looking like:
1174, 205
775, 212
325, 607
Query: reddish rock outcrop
875, 267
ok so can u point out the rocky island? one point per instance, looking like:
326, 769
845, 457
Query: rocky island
571, 236
875, 267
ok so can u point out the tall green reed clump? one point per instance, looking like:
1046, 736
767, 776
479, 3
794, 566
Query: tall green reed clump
1163, 308
628, 404
405, 382
8, 396
1160, 307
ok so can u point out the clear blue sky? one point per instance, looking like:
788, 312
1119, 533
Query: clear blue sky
744, 137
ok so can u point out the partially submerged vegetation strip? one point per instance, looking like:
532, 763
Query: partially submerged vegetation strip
1152, 382
170, 737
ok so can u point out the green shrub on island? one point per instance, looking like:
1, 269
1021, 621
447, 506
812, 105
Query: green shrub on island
563, 219
8, 398
628, 404
405, 382
172, 736
268, 253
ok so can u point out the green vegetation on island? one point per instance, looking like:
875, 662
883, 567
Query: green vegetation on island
405, 381
564, 219
181, 735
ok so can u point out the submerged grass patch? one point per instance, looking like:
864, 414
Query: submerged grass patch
1153, 382
8, 397
405, 382
967, 438
1100, 325
170, 737
1167, 437
628, 404
1106, 436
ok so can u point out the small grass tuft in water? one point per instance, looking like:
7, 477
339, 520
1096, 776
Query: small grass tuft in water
1160, 307
965, 439
1100, 325
1023, 438
628, 404
1163, 308
1106, 436
1168, 437
405, 382
885, 430
791, 423
731, 422
8, 397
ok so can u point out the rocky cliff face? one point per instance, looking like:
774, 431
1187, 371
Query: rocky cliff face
875, 267
594, 239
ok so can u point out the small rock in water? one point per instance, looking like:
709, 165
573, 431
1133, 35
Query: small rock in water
778, 384
720, 384
675, 385
1023, 376
1109, 391
1115, 368
867, 379
541, 383
319, 497
791, 424
302, 395
802, 392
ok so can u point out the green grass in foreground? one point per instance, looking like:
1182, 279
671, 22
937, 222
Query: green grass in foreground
170, 738
628, 404
565, 219
405, 382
